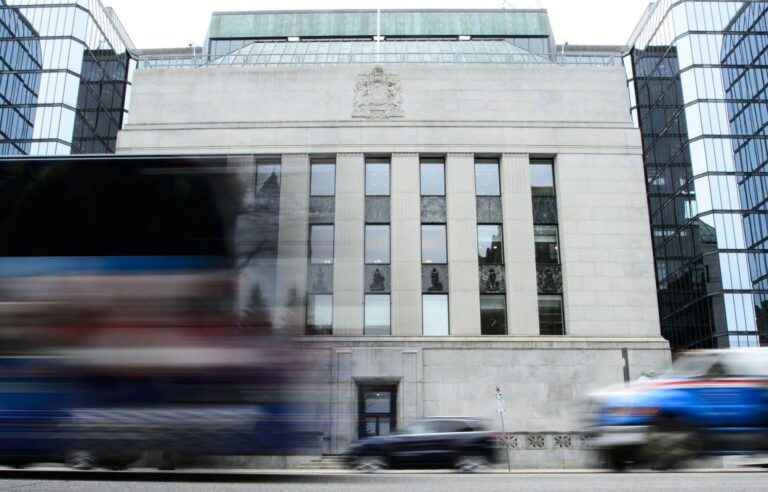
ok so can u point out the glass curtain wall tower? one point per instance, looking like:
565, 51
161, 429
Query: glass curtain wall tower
74, 65
698, 85
20, 65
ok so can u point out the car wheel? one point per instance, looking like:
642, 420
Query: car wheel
616, 459
471, 464
17, 464
370, 464
168, 461
118, 463
670, 445
81, 459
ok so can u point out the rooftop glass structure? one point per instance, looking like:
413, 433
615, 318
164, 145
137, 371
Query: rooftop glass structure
363, 23
698, 88
231, 31
79, 77
319, 52
361, 36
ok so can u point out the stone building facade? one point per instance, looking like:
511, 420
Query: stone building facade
527, 266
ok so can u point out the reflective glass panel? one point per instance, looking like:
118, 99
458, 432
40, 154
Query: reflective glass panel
487, 182
323, 179
267, 177
377, 178
376, 244
493, 315
321, 244
434, 247
547, 248
490, 245
378, 402
435, 315
377, 315
542, 179
320, 314
551, 315
433, 179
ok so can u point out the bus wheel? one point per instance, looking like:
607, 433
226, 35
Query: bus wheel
81, 459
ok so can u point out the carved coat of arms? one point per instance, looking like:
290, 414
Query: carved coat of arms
378, 96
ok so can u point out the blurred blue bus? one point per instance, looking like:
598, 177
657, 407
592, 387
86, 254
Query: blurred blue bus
124, 331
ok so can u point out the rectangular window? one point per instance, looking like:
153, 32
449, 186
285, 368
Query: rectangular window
547, 248
432, 177
321, 244
323, 178
267, 178
548, 257
376, 244
542, 178
434, 246
377, 177
690, 209
377, 315
493, 315
551, 315
487, 180
320, 315
435, 315
490, 244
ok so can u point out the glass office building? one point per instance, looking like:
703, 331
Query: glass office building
71, 59
698, 87
21, 61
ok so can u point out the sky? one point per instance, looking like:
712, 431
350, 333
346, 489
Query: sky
178, 23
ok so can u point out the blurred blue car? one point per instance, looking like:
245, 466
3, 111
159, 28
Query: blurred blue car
712, 402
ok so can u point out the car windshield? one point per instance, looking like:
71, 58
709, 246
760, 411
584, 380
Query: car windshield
423, 427
692, 365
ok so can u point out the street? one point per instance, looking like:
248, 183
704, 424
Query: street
732, 481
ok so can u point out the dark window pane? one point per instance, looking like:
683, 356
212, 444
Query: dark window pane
542, 179
323, 180
487, 179
547, 248
377, 210
378, 402
490, 241
321, 244
551, 315
433, 244
544, 209
377, 179
370, 426
376, 244
435, 315
493, 315
377, 315
432, 179
320, 315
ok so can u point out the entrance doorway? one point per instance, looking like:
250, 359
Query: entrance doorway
377, 410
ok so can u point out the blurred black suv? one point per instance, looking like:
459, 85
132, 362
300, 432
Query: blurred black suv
461, 443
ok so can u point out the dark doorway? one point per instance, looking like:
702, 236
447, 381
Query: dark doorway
377, 410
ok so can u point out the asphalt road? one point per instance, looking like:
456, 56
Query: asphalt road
27, 481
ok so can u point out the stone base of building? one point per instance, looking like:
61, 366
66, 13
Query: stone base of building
544, 382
